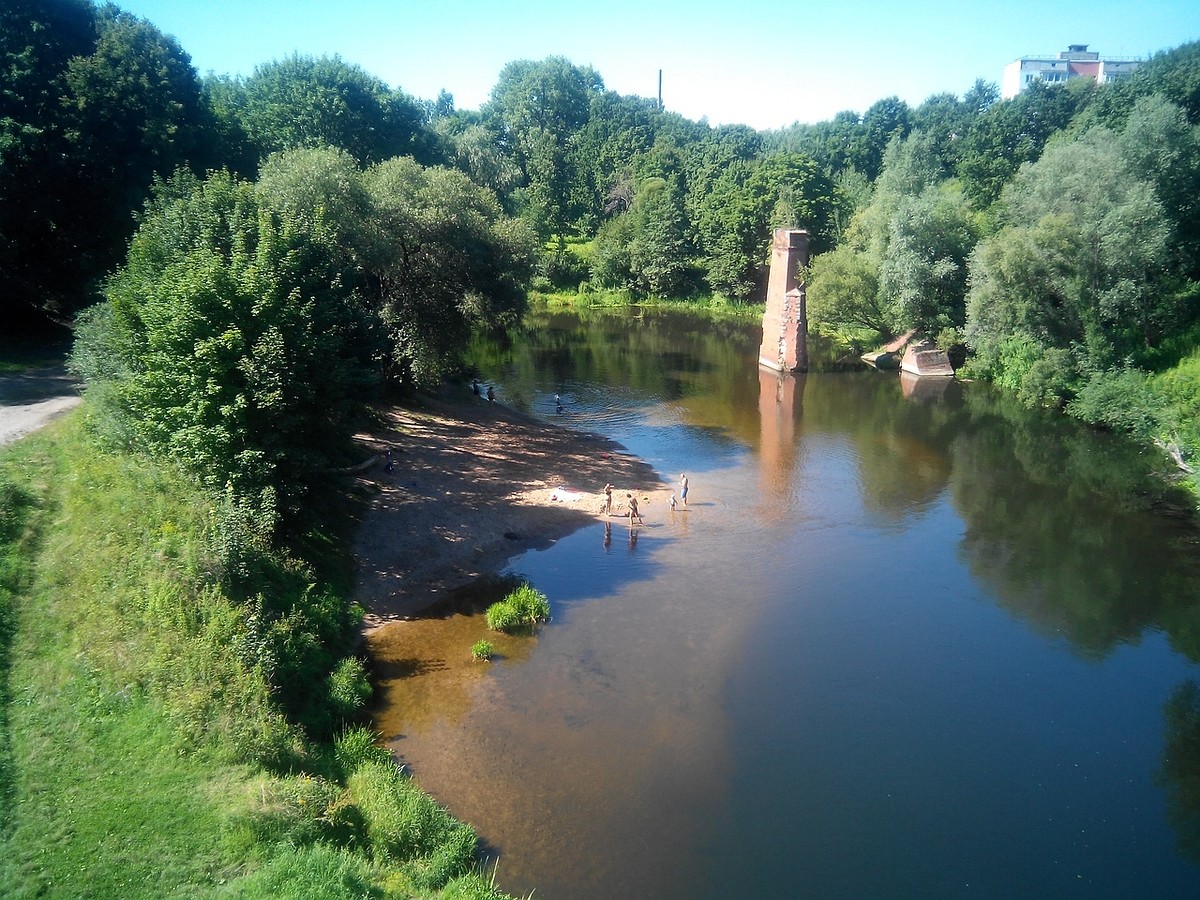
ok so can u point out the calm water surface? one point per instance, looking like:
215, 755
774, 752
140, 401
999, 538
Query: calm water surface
906, 641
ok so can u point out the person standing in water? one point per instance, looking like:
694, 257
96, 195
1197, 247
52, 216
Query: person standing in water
683, 488
633, 510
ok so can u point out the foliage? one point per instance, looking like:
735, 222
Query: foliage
923, 275
95, 102
432, 249
482, 650
233, 346
522, 608
537, 110
747, 203
125, 642
445, 259
302, 101
1118, 399
843, 291
1077, 267
1016, 131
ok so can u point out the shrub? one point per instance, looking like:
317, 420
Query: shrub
481, 650
501, 616
1120, 400
531, 605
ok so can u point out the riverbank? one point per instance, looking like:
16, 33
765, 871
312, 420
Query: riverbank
473, 484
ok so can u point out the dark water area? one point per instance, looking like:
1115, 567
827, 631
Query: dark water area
907, 640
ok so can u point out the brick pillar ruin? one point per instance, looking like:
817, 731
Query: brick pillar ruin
785, 322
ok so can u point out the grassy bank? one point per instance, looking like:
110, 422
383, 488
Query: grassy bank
171, 727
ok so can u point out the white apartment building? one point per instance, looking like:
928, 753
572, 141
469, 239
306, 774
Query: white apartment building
1075, 62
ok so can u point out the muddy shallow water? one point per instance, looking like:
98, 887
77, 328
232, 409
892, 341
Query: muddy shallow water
904, 643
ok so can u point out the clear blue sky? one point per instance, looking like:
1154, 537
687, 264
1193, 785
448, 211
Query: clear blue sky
762, 64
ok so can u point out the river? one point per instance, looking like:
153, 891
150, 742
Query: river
906, 640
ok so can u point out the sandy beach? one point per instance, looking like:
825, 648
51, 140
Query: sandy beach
473, 484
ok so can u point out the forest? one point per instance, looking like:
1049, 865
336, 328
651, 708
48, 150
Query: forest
979, 222
245, 263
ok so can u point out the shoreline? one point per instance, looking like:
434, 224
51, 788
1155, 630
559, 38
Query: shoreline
474, 484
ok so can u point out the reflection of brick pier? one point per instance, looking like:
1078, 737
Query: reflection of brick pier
785, 322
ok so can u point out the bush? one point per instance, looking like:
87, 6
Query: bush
501, 616
481, 650
1120, 400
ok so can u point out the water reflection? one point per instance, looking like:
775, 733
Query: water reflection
780, 409
1180, 772
851, 646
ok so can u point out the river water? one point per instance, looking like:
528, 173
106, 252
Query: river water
906, 640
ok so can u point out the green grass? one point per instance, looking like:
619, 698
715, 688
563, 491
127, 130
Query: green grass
519, 611
716, 306
145, 750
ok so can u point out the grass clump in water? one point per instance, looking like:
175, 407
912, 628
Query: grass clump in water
521, 610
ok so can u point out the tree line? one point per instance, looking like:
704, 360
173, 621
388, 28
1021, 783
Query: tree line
1052, 234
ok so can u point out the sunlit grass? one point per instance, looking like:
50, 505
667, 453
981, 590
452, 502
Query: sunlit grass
143, 751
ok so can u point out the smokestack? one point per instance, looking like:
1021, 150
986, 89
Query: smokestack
660, 106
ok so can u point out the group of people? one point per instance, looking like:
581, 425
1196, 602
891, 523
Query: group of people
632, 501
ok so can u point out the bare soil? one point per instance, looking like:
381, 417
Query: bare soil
473, 484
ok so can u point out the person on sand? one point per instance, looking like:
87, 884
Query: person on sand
475, 386
672, 501
608, 489
633, 510
491, 394
683, 488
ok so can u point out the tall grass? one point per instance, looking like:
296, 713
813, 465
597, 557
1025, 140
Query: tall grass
167, 730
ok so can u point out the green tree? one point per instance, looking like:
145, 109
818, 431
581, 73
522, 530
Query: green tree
443, 258
431, 248
94, 104
923, 275
230, 345
843, 292
747, 203
302, 101
1159, 141
538, 109
1072, 281
658, 250
1016, 131
886, 119
619, 133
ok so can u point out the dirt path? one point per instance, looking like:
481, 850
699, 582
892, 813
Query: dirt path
30, 399
474, 484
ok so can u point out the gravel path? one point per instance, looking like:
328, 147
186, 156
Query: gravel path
30, 399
